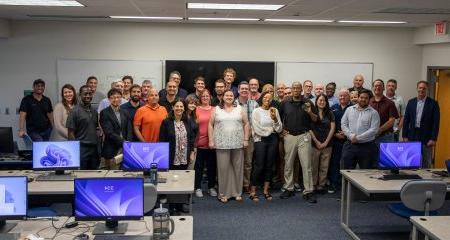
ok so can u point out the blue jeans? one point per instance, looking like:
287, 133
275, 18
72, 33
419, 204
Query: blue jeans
335, 163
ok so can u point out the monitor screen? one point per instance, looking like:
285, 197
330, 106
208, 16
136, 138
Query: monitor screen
56, 155
400, 155
13, 197
6, 140
140, 155
109, 198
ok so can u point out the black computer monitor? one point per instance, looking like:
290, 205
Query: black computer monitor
109, 199
13, 201
138, 156
6, 140
56, 156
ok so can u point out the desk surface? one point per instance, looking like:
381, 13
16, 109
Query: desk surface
183, 185
436, 227
183, 228
368, 180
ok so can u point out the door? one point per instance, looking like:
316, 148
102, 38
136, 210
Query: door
442, 94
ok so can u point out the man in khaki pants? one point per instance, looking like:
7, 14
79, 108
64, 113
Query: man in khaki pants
297, 113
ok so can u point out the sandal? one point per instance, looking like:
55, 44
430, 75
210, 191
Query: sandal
268, 197
223, 199
254, 197
239, 198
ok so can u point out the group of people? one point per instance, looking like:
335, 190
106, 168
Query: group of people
300, 135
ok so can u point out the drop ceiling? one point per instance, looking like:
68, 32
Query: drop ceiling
416, 12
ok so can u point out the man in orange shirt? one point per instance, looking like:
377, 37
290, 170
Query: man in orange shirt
148, 119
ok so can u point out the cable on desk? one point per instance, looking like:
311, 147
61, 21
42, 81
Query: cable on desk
146, 227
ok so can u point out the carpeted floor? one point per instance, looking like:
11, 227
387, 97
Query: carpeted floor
294, 218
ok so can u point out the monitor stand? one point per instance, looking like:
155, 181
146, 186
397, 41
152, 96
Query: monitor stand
58, 175
110, 227
6, 227
396, 175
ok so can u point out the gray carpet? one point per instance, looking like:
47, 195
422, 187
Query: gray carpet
294, 218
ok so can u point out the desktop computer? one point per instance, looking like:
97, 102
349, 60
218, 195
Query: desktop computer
109, 199
56, 156
6, 140
396, 156
139, 156
13, 201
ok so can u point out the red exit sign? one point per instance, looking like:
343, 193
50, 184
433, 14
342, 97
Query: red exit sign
440, 28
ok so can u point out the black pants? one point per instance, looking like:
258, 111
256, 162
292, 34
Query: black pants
179, 167
363, 154
265, 154
89, 159
335, 163
205, 157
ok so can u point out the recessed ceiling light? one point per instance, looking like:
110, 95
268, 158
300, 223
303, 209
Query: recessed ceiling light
45, 3
145, 17
226, 6
224, 19
372, 22
298, 20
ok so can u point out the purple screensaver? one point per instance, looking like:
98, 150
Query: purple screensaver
400, 155
56, 154
109, 197
140, 155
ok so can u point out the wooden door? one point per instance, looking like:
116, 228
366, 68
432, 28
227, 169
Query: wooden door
442, 150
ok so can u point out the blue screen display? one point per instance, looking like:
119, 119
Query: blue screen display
140, 155
13, 196
52, 155
109, 197
400, 155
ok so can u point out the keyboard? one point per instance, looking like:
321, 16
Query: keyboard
160, 180
122, 237
400, 176
54, 177
441, 173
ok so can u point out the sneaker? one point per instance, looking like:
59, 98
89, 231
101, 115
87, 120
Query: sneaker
199, 193
287, 194
331, 189
212, 192
309, 197
298, 188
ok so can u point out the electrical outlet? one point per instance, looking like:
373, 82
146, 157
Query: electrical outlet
17, 111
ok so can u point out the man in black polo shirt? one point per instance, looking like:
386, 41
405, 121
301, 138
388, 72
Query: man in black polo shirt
297, 114
133, 104
37, 110
82, 124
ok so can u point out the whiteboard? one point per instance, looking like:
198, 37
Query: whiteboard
76, 72
324, 72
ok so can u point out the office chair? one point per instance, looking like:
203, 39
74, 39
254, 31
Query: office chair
420, 198
150, 196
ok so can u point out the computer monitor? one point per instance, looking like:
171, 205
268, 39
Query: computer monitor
138, 156
109, 199
13, 201
6, 140
395, 156
57, 156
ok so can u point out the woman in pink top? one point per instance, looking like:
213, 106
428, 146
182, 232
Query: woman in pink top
204, 153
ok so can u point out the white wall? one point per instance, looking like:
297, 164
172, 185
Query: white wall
426, 35
32, 50
435, 55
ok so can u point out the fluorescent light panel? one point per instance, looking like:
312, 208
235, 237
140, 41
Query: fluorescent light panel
145, 17
372, 22
44, 3
224, 19
298, 20
226, 6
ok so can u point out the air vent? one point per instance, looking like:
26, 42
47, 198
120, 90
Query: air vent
414, 11
67, 16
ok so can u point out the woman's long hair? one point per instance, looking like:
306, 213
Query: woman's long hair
64, 101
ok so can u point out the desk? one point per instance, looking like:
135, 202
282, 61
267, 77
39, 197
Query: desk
368, 182
434, 227
183, 228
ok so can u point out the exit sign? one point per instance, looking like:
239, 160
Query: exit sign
440, 28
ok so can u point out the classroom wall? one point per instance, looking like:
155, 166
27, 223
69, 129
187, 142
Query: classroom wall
34, 46
435, 55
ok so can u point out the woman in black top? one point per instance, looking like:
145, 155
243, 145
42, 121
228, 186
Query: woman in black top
322, 134
177, 130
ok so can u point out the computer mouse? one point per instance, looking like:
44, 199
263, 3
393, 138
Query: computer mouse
30, 179
82, 236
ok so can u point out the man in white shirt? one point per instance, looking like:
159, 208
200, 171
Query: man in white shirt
391, 87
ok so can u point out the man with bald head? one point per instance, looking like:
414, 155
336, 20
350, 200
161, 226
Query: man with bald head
358, 84
318, 89
297, 114
148, 119
176, 77
339, 139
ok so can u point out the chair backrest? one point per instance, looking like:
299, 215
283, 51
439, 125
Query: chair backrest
150, 196
447, 164
424, 195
